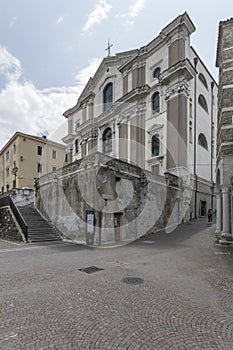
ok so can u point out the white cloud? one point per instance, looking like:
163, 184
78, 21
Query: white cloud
10, 66
13, 21
61, 19
97, 16
25, 108
134, 10
83, 75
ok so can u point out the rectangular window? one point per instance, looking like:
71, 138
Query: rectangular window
54, 154
39, 150
190, 132
7, 155
54, 168
7, 172
39, 168
14, 148
190, 110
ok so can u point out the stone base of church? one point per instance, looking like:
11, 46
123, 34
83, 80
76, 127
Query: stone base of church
104, 201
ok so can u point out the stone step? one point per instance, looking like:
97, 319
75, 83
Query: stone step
39, 229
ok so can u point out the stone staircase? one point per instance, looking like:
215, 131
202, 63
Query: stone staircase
38, 228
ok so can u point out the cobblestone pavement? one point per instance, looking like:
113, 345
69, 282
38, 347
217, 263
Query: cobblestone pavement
185, 302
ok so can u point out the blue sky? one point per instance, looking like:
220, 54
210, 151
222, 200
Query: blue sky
48, 50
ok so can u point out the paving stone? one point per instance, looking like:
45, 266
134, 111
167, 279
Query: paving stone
185, 301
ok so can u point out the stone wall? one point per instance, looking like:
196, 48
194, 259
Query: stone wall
8, 228
109, 188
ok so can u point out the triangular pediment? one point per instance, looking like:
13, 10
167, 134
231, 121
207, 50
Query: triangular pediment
155, 127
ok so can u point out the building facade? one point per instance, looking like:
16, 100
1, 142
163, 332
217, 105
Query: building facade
25, 157
224, 169
154, 107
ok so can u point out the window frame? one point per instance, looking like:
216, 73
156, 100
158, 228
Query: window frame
54, 152
203, 103
107, 140
202, 141
7, 155
203, 80
37, 150
155, 145
156, 72
155, 103
76, 146
39, 168
107, 96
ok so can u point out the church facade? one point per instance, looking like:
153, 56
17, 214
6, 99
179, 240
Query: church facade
154, 107
140, 145
224, 169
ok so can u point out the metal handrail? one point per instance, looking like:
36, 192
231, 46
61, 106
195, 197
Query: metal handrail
6, 201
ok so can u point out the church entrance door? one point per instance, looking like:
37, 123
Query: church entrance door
117, 226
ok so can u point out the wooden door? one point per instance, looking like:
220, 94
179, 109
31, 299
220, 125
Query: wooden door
117, 226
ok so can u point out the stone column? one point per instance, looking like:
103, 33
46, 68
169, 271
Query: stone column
218, 214
226, 213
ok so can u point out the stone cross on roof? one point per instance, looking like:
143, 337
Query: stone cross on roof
109, 48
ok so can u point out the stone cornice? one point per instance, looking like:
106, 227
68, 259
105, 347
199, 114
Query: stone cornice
178, 88
182, 70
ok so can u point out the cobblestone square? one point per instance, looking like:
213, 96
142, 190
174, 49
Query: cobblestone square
184, 302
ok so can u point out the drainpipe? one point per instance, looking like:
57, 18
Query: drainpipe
195, 137
211, 146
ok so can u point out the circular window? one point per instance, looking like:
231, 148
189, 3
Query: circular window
156, 72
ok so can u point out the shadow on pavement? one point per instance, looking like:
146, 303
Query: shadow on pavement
177, 236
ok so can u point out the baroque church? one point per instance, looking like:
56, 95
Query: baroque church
148, 116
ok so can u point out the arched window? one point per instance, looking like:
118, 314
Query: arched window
107, 140
107, 96
202, 102
155, 145
76, 146
155, 101
202, 141
203, 80
156, 72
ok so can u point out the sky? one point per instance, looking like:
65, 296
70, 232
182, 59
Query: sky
49, 49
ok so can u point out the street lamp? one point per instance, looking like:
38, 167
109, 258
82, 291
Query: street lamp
14, 172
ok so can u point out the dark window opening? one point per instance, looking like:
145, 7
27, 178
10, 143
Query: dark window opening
76, 146
39, 150
108, 96
156, 72
203, 80
107, 140
202, 102
202, 141
155, 145
155, 103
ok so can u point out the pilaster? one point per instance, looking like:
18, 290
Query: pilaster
218, 214
226, 214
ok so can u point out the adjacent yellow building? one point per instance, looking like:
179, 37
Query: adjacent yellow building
25, 157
